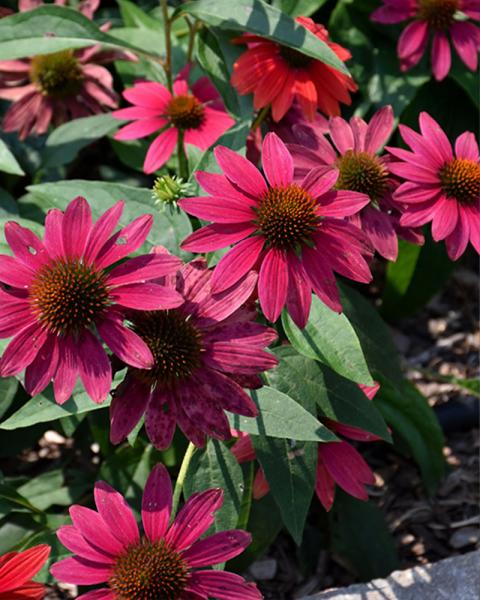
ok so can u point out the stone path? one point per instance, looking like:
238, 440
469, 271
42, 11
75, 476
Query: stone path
456, 578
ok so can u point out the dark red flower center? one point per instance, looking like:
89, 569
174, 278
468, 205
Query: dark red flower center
461, 180
186, 112
149, 572
438, 13
174, 342
68, 296
286, 216
294, 58
362, 172
57, 75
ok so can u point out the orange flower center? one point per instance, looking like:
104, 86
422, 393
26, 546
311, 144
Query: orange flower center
438, 13
362, 172
186, 112
68, 296
174, 342
461, 180
149, 572
57, 75
294, 58
286, 216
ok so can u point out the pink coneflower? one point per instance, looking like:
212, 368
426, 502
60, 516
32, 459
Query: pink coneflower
294, 233
441, 186
55, 88
166, 561
197, 114
436, 17
278, 75
339, 463
205, 352
361, 168
58, 292
87, 7
17, 570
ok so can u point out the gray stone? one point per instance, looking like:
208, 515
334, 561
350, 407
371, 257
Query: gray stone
456, 578
466, 536
263, 570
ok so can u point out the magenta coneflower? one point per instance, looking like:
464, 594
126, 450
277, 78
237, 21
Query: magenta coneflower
197, 114
55, 88
339, 463
439, 18
294, 233
205, 351
361, 169
441, 186
56, 293
166, 561
17, 570
87, 7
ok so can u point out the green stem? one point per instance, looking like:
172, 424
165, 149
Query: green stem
260, 117
192, 27
246, 503
168, 44
181, 477
182, 157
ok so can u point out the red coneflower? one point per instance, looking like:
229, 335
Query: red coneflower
17, 570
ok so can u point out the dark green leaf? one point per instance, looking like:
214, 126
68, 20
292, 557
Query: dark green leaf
258, 17
361, 536
299, 8
331, 339
216, 467
407, 411
290, 470
8, 162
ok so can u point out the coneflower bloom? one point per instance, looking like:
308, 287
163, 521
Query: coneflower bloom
165, 561
339, 463
58, 87
293, 233
278, 75
197, 114
435, 18
442, 186
205, 352
17, 570
58, 292
355, 153
87, 7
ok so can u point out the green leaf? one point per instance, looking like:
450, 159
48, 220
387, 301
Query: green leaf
216, 467
169, 228
8, 205
310, 383
259, 18
8, 389
361, 536
50, 29
281, 417
471, 385
8, 162
374, 335
330, 338
134, 16
66, 141
11, 495
407, 411
290, 470
43, 408
417, 275
297, 8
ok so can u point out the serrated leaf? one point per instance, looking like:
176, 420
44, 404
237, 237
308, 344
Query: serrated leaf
66, 141
311, 383
291, 473
281, 417
216, 467
259, 18
8, 162
169, 228
330, 338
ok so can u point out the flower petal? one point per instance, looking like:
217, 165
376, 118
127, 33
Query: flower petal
157, 503
379, 129
22, 350
273, 283
277, 161
76, 227
126, 344
217, 548
240, 171
143, 268
236, 263
116, 513
160, 150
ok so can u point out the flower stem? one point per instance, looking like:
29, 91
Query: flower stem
182, 158
260, 117
193, 28
181, 477
168, 43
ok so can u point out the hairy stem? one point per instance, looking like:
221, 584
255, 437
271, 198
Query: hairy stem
168, 43
182, 157
181, 477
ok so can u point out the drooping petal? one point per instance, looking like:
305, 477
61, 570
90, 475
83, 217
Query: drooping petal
22, 350
273, 283
67, 370
94, 367
127, 407
161, 418
21, 567
324, 486
224, 585
441, 56
126, 344
379, 228
160, 150
236, 263
157, 503
41, 370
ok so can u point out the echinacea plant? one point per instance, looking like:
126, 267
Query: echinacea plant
17, 570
